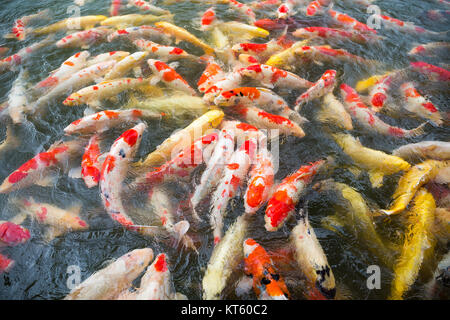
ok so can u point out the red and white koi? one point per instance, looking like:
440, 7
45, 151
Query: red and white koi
147, 6
367, 118
93, 94
231, 80
261, 50
286, 9
316, 7
267, 282
434, 73
90, 164
420, 105
430, 49
404, 26
379, 93
114, 171
243, 9
12, 234
211, 175
69, 67
208, 19
260, 181
40, 165
182, 164
104, 120
211, 75
348, 22
122, 67
85, 38
19, 30
272, 77
324, 85
335, 34
169, 76
286, 196
265, 120
162, 52
233, 177
5, 263
145, 32
327, 54
108, 56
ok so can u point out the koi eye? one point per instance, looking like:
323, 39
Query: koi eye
275, 277
241, 94
122, 153
265, 281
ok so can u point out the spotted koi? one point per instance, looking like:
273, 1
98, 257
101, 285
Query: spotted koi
213, 73
348, 22
169, 76
324, 85
327, 54
90, 164
379, 93
140, 32
208, 19
162, 52
84, 39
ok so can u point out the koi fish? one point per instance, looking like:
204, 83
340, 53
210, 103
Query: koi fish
327, 54
233, 178
417, 240
271, 77
147, 6
231, 80
19, 30
403, 26
17, 99
12, 234
247, 59
129, 20
335, 34
115, 7
242, 30
93, 94
225, 258
90, 164
260, 50
39, 166
438, 150
411, 181
312, 259
286, 9
316, 7
140, 32
264, 98
104, 120
84, 39
243, 9
69, 67
367, 118
430, 49
260, 182
83, 22
5, 264
109, 282
267, 282
348, 22
208, 19
212, 74
265, 4
286, 196
122, 67
332, 111
108, 56
323, 86
379, 93
183, 35
169, 76
211, 175
433, 72
364, 85
265, 120
418, 104
114, 170
376, 162
162, 52
287, 58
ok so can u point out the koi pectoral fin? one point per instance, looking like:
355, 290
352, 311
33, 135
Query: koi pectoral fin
376, 178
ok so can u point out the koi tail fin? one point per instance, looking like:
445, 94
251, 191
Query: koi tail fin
420, 130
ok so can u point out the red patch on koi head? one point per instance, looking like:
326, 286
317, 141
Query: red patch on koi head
130, 137
161, 264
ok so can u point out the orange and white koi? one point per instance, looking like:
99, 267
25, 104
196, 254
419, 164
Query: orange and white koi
17, 99
262, 97
286, 196
93, 94
114, 171
140, 32
418, 104
430, 49
115, 7
312, 259
147, 6
211, 175
183, 35
208, 19
84, 39
267, 282
162, 52
90, 164
182, 164
265, 120
77, 81
260, 180
434, 73
403, 26
212, 74
335, 34
261, 50
169, 76
40, 165
11, 62
367, 118
327, 54
12, 234
19, 30
69, 67
316, 7
108, 56
243, 9
348, 22
379, 93
231, 80
109, 282
5, 264
272, 77
104, 120
324, 85
122, 67
233, 177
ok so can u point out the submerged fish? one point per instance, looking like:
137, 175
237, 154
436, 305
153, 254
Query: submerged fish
84, 39
12, 234
438, 150
332, 111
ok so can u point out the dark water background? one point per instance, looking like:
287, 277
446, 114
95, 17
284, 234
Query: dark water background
40, 270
